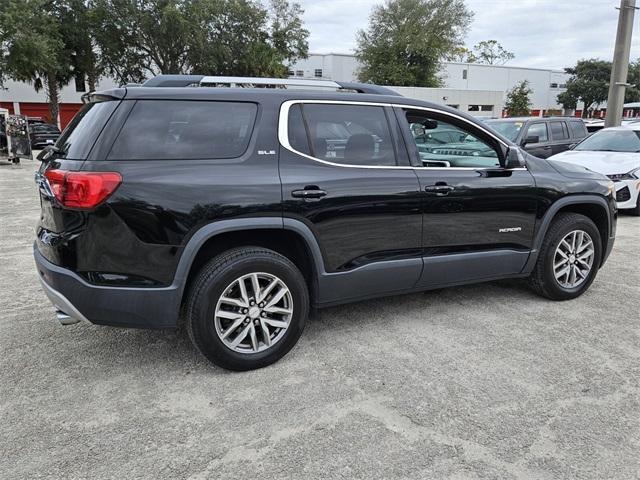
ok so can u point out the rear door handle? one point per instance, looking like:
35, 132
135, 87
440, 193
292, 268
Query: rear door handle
439, 189
313, 192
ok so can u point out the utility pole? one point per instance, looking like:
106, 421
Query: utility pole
620, 67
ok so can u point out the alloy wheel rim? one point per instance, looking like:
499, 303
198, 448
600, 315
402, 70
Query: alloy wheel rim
253, 313
573, 259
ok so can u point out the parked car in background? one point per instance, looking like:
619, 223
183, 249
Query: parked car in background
539, 136
42, 134
614, 152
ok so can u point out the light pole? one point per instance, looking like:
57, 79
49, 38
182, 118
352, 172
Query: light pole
620, 67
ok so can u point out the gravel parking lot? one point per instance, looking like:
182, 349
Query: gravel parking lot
484, 381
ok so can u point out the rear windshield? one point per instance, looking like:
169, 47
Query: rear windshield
184, 129
80, 135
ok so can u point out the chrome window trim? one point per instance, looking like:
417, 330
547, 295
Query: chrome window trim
283, 133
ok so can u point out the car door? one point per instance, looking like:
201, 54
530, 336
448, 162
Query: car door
346, 179
560, 139
478, 217
542, 147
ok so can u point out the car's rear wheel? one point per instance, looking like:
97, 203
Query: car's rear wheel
569, 258
247, 308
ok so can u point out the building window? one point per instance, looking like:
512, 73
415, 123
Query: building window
299, 73
481, 108
464, 74
80, 85
562, 85
318, 72
554, 85
291, 73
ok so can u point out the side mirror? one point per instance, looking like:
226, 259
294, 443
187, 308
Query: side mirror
531, 139
430, 124
514, 158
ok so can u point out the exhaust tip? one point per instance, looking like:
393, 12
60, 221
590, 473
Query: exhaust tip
65, 319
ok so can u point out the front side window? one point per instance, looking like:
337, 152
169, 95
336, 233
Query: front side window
344, 134
443, 144
185, 130
538, 130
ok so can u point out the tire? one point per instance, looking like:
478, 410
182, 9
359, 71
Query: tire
223, 275
543, 278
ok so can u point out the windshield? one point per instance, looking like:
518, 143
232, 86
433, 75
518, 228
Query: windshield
509, 130
611, 141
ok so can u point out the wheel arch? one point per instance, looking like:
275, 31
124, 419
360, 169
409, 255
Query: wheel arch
288, 237
594, 207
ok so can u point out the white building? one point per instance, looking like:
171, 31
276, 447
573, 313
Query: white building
485, 85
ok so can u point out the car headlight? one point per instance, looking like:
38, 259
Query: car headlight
632, 175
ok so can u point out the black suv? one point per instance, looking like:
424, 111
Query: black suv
239, 209
541, 136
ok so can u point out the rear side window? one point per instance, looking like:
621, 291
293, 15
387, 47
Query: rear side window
348, 134
185, 130
297, 131
578, 129
559, 130
80, 135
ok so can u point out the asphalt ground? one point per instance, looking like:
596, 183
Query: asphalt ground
483, 381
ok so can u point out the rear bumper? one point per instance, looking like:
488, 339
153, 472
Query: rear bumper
114, 306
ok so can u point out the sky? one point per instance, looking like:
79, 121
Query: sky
541, 33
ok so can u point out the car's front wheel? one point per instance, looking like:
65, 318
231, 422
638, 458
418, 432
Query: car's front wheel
247, 308
569, 258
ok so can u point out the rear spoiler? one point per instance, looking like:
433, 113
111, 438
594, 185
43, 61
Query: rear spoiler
260, 82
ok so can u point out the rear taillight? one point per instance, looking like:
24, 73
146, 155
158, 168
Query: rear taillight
82, 190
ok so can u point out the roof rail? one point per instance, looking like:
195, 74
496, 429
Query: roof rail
248, 82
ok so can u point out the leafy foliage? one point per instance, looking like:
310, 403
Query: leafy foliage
518, 102
490, 52
406, 41
34, 48
589, 83
138, 39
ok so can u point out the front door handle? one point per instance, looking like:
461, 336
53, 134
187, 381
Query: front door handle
309, 192
439, 189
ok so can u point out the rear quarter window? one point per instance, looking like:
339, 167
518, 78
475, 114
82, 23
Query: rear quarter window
185, 129
80, 135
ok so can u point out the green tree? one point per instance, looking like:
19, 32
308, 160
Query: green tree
491, 53
589, 83
518, 102
138, 39
35, 50
632, 92
406, 41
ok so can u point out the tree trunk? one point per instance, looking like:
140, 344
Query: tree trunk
92, 78
92, 81
52, 97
